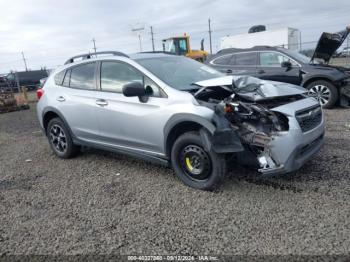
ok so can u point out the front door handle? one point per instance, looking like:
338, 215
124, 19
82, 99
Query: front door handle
61, 99
101, 102
228, 71
261, 71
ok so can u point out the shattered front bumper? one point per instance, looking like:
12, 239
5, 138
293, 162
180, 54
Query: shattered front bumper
291, 149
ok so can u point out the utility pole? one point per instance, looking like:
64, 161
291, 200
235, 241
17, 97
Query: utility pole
211, 51
300, 48
94, 41
152, 38
25, 62
138, 31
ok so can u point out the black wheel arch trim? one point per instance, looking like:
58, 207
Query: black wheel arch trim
54, 110
314, 78
216, 135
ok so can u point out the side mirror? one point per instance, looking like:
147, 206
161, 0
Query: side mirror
286, 64
135, 89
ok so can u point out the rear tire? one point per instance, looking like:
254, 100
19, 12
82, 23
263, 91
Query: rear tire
325, 92
194, 165
60, 139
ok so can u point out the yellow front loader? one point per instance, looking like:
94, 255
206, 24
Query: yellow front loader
180, 45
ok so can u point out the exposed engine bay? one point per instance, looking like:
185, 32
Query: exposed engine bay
245, 106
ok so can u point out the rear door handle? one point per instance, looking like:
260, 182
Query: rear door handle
261, 71
101, 102
61, 99
228, 71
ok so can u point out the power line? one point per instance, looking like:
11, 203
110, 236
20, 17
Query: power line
211, 50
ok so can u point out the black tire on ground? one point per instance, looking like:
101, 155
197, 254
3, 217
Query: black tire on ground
213, 175
70, 149
333, 92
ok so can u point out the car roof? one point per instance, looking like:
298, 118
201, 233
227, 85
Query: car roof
146, 55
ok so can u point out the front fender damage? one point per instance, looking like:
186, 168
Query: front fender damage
224, 139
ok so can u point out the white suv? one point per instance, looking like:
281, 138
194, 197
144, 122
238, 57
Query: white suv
176, 111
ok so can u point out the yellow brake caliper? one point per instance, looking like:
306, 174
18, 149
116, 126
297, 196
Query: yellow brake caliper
188, 163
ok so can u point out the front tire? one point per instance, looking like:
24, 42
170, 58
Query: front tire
325, 92
60, 139
194, 165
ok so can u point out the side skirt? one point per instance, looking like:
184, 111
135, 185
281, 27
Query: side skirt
142, 156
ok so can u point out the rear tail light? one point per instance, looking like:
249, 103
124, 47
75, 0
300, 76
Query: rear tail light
39, 93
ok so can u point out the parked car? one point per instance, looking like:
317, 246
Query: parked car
3, 84
176, 111
29, 79
328, 84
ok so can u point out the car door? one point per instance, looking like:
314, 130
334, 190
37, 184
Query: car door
270, 68
244, 63
126, 122
75, 99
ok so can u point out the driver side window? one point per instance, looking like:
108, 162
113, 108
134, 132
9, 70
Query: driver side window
115, 75
273, 59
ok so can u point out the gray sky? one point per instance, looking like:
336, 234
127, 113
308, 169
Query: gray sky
48, 32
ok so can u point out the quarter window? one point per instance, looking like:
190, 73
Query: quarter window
151, 87
67, 78
59, 77
82, 76
115, 75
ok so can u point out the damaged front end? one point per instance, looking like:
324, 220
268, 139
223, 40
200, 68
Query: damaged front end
264, 126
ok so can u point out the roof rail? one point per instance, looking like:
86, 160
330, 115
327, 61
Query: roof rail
157, 52
90, 55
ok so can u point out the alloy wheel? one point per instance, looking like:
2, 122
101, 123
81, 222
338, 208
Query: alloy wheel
58, 138
321, 93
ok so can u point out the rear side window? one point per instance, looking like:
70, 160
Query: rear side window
223, 60
83, 76
244, 59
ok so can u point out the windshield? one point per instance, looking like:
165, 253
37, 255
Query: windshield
179, 72
298, 56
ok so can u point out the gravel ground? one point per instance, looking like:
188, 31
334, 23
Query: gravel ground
106, 203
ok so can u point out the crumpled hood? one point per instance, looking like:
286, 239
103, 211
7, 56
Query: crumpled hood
328, 44
253, 88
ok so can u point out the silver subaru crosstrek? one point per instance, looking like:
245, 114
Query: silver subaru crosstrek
179, 112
